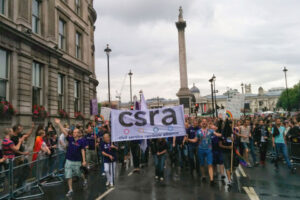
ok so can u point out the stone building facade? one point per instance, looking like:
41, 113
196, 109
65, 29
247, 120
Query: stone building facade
259, 102
47, 57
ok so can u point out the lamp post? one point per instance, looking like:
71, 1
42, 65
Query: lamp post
242, 85
215, 94
107, 51
212, 96
287, 91
130, 75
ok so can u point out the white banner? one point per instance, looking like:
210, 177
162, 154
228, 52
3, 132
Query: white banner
105, 112
234, 106
147, 124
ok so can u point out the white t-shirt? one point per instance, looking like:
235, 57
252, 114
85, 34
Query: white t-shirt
245, 131
62, 140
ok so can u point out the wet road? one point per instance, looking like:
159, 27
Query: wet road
249, 182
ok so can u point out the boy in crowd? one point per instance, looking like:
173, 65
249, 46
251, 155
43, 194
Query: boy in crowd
109, 158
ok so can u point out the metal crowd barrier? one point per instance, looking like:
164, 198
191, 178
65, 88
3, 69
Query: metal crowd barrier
21, 178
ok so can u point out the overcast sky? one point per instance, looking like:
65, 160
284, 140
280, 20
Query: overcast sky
245, 41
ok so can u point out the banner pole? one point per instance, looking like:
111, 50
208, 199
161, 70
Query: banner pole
232, 140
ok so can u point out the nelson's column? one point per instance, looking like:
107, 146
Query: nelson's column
184, 93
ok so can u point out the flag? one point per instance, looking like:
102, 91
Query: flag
136, 103
143, 103
241, 159
143, 106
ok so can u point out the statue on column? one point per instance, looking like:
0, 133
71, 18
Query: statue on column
180, 16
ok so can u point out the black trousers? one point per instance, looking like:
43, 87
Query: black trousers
263, 151
135, 150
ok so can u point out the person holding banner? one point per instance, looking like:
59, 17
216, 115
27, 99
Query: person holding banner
159, 149
204, 138
192, 146
135, 151
225, 143
109, 158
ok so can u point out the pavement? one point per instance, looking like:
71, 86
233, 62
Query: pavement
249, 183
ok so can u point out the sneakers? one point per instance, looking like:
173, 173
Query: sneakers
293, 170
212, 183
223, 177
85, 183
156, 177
107, 184
111, 185
203, 178
161, 179
70, 192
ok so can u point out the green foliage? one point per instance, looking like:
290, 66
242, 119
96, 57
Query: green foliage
294, 98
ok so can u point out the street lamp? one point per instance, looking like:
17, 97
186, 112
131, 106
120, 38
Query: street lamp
287, 91
242, 85
215, 92
107, 51
130, 75
212, 96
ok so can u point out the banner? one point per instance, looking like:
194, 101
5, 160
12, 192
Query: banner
146, 124
105, 112
234, 106
94, 107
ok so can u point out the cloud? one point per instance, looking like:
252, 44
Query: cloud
239, 41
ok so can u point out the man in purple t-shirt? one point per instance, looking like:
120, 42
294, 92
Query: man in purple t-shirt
75, 156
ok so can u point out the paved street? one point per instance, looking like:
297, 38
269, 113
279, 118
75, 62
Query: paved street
265, 182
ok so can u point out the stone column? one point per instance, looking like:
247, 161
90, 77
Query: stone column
184, 93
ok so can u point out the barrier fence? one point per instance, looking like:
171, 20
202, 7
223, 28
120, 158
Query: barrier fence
22, 178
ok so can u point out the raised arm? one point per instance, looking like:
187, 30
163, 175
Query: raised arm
26, 135
63, 130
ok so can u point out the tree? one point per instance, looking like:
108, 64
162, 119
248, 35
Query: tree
294, 98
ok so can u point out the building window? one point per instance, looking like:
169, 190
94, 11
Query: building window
36, 16
77, 7
78, 45
36, 83
76, 96
62, 34
2, 7
60, 90
4, 58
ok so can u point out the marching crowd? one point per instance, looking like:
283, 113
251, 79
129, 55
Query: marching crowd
209, 142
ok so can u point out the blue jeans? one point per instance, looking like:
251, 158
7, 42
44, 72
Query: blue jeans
192, 152
159, 162
62, 159
281, 148
252, 150
178, 155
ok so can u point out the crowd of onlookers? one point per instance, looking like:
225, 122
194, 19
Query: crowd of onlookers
209, 142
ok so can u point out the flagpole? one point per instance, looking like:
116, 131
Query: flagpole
232, 140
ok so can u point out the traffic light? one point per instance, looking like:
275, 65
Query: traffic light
131, 107
196, 107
